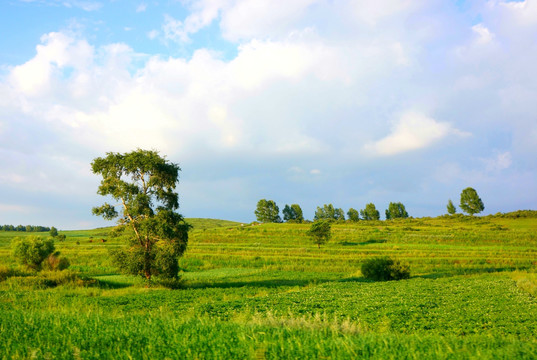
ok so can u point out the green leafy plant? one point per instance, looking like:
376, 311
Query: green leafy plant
31, 251
385, 268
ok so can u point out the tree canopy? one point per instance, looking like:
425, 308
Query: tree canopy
451, 209
293, 213
142, 183
329, 212
353, 215
370, 212
320, 232
471, 203
267, 211
396, 211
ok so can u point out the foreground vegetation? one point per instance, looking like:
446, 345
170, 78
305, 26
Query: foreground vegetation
268, 292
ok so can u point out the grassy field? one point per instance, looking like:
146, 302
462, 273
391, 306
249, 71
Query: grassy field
267, 292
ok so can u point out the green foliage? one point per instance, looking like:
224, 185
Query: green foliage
320, 232
55, 262
396, 211
451, 209
267, 211
471, 203
293, 213
384, 268
61, 237
370, 212
353, 215
330, 213
144, 184
263, 291
53, 232
31, 251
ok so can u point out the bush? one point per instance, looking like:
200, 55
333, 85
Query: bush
32, 250
55, 262
384, 268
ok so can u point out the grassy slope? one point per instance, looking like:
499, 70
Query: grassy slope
266, 291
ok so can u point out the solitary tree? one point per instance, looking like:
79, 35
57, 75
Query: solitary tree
370, 212
451, 209
142, 183
320, 232
293, 213
53, 232
395, 211
353, 215
471, 203
267, 211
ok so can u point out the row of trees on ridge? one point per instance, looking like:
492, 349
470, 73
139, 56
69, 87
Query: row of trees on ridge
27, 228
268, 212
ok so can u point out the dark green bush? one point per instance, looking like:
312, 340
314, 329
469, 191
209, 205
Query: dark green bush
55, 262
384, 268
32, 250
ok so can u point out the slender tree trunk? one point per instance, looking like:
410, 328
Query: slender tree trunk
147, 260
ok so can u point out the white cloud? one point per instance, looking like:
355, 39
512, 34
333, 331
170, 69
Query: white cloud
141, 7
153, 34
84, 5
10, 208
501, 161
413, 131
57, 51
371, 12
522, 12
245, 19
484, 36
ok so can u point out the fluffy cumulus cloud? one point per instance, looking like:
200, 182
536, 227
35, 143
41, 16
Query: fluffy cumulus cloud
314, 100
412, 131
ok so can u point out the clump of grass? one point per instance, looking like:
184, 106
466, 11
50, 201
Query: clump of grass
316, 321
526, 281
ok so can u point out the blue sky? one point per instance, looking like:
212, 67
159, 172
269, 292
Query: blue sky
302, 101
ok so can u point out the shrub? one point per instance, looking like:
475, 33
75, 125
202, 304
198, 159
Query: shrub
5, 272
384, 268
55, 262
32, 250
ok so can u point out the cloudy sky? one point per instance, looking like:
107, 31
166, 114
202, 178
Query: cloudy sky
299, 101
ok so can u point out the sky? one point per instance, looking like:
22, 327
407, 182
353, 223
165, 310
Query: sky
299, 101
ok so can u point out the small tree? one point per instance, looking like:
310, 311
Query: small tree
370, 212
471, 203
143, 183
293, 213
353, 215
267, 211
320, 232
395, 211
451, 209
32, 250
53, 232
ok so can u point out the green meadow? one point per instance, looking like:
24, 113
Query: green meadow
266, 291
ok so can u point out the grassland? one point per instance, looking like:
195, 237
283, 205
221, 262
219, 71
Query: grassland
267, 292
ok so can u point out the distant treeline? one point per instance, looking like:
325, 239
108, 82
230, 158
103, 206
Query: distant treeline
27, 228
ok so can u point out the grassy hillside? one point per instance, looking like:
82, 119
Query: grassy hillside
267, 292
